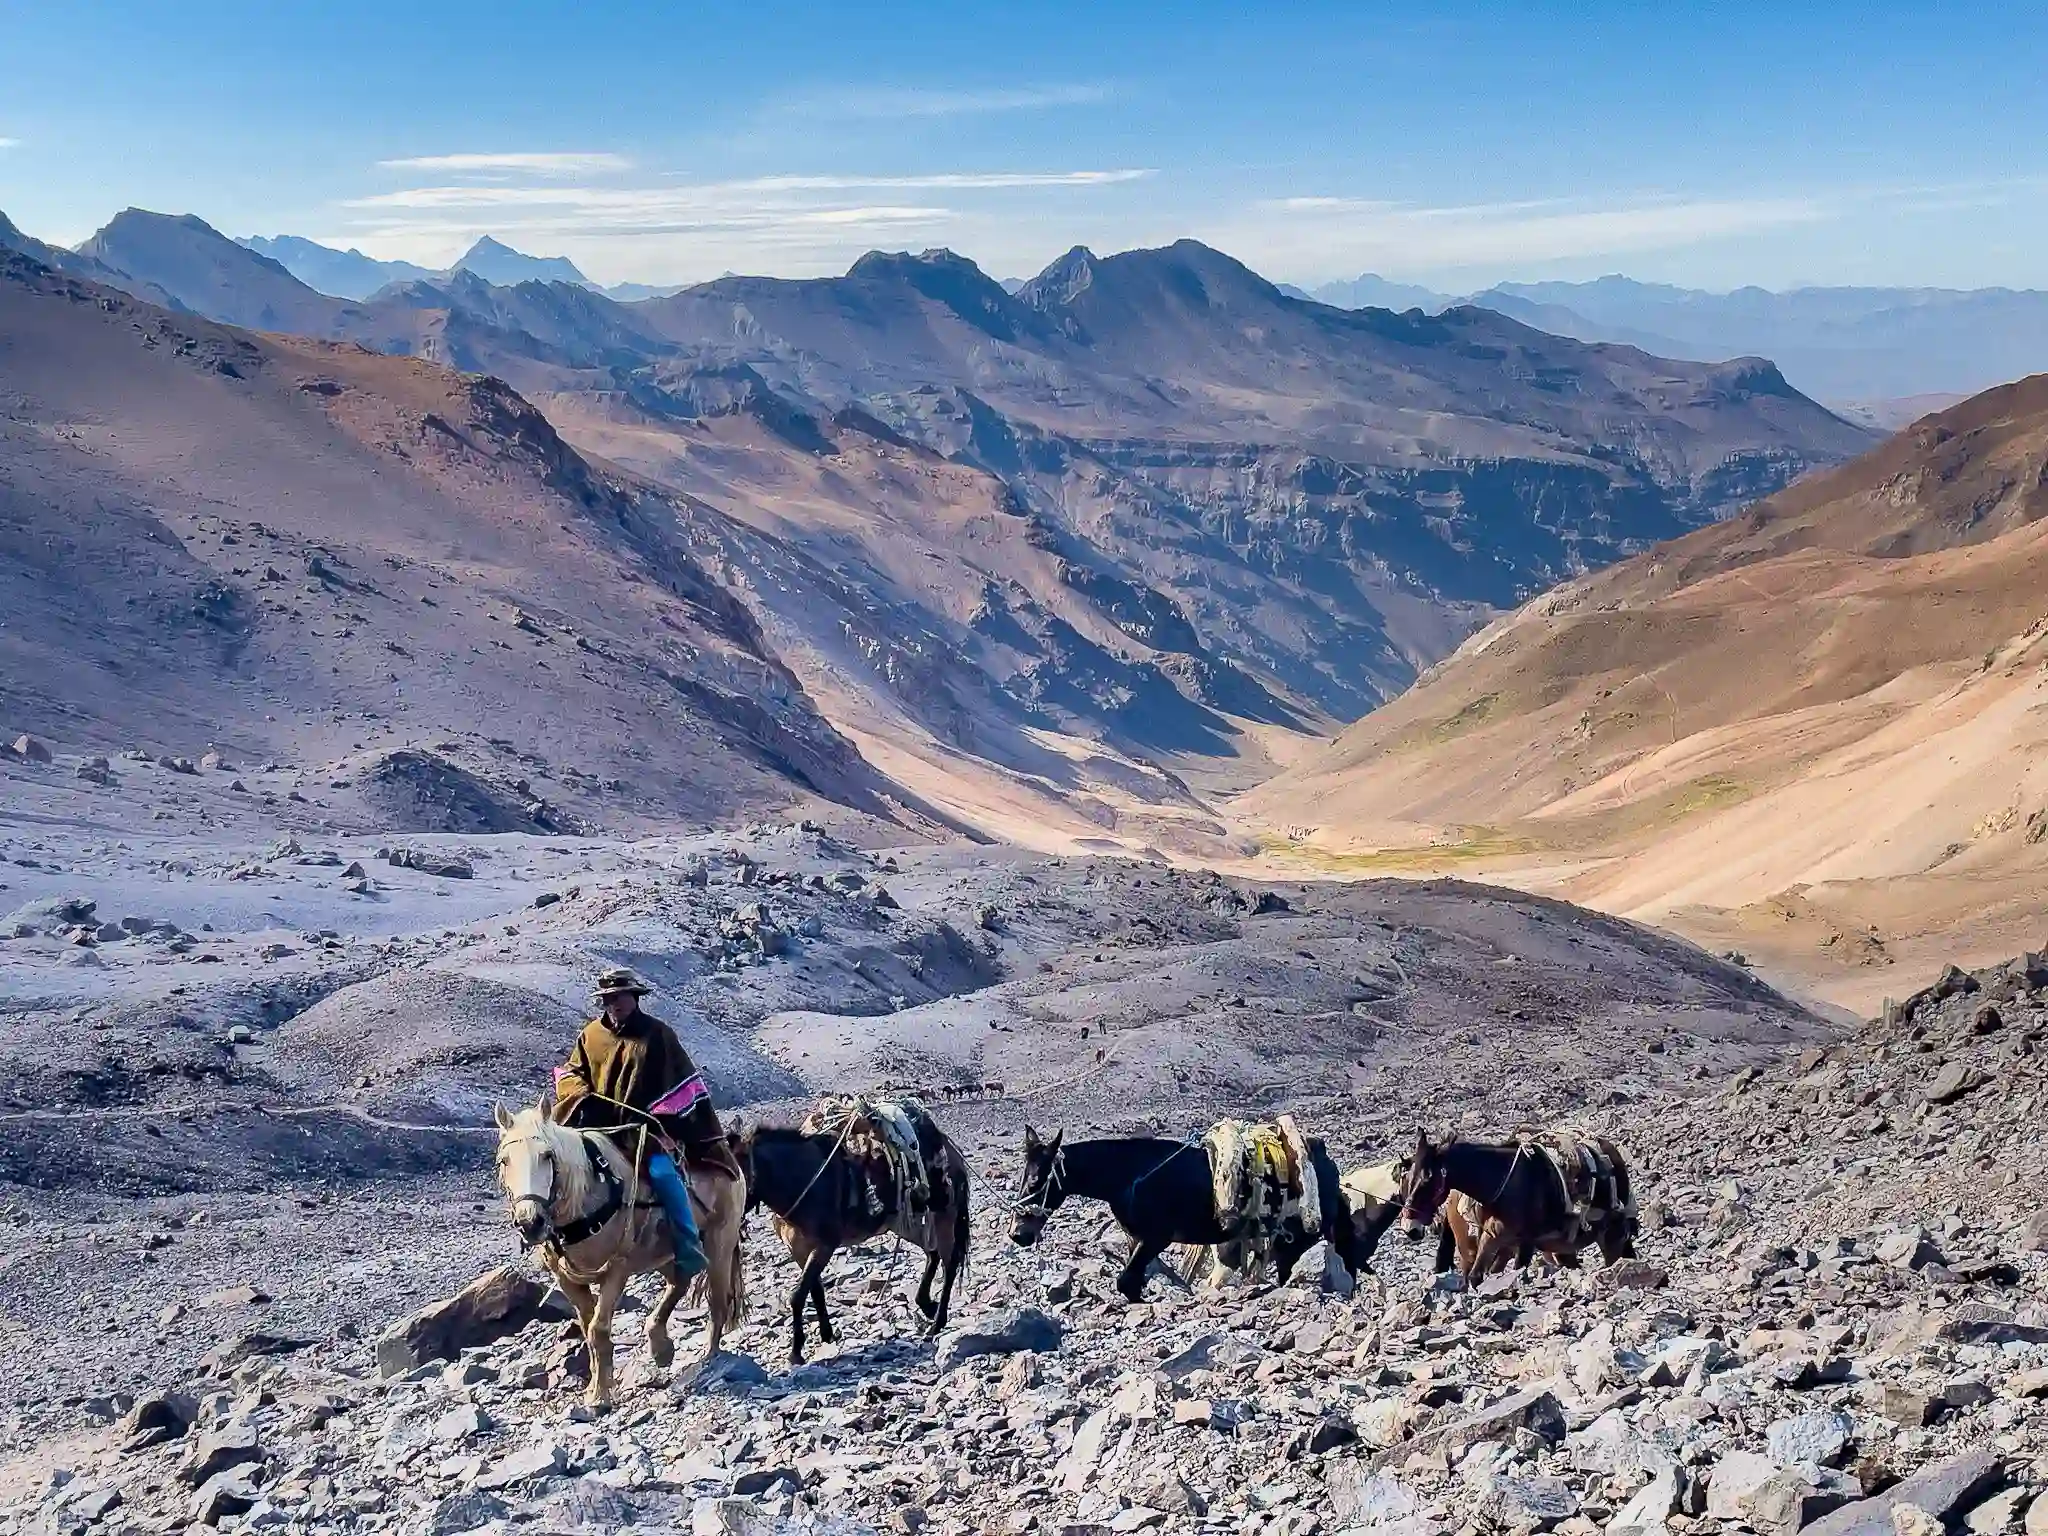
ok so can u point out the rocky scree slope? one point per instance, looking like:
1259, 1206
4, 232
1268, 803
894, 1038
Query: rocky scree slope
1836, 1324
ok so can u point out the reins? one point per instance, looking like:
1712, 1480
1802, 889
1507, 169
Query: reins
1056, 1177
844, 1130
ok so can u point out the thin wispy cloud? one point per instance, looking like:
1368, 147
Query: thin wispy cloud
811, 221
10, 143
1346, 234
972, 181
770, 191
871, 103
546, 164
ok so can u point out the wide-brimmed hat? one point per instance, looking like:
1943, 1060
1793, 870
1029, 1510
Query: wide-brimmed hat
619, 979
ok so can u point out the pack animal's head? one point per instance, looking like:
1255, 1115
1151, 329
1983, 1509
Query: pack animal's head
1040, 1188
527, 1170
1425, 1185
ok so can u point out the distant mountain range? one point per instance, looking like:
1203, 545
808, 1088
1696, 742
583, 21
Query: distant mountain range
1061, 561
1849, 346
350, 274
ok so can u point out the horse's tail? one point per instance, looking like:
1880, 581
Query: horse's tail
736, 1290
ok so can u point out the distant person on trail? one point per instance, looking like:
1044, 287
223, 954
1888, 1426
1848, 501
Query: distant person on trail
628, 1069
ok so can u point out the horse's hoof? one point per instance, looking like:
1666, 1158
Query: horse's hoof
662, 1354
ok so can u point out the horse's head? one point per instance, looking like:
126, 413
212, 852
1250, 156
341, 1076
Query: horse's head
1425, 1184
1040, 1188
528, 1167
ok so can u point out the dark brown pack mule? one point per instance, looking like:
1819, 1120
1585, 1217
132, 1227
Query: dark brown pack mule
832, 1190
1550, 1192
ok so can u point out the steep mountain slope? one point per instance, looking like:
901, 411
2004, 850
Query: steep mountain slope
307, 551
1162, 402
1816, 728
208, 274
1142, 530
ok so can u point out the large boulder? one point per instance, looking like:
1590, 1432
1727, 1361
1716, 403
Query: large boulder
1943, 1490
491, 1307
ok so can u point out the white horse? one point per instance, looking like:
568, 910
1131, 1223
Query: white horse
570, 1196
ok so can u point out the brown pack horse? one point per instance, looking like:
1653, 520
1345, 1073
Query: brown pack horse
1519, 1200
817, 1188
569, 1192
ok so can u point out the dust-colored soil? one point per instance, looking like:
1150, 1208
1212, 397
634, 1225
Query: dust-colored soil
1814, 733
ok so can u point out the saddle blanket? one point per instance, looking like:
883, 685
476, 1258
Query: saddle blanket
883, 1128
1262, 1180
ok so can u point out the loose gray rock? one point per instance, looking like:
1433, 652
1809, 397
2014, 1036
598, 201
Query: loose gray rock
232, 1492
1820, 1437
523, 1466
1944, 1491
1008, 1332
224, 1446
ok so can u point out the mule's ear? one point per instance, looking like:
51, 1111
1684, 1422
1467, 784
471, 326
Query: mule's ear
1030, 1137
503, 1116
1058, 1136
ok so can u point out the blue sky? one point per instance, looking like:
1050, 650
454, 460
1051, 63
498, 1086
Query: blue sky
1454, 144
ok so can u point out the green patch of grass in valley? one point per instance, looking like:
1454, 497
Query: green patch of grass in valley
1472, 845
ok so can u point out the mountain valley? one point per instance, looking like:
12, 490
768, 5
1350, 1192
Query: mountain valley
1812, 732
1062, 595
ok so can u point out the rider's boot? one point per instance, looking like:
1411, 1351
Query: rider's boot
674, 1196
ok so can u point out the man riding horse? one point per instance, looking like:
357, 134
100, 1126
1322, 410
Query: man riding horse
628, 1071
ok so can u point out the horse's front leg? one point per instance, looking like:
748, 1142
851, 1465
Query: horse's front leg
1132, 1281
1488, 1254
599, 1333
721, 1282
660, 1347
814, 1265
925, 1304
582, 1301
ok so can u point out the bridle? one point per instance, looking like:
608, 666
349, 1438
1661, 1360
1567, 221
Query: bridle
1050, 1192
559, 1236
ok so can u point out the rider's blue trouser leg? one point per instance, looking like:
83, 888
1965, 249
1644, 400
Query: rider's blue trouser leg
674, 1196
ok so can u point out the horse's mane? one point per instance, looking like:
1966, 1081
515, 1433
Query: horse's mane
572, 1168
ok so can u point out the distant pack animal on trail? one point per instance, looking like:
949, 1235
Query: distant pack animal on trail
1553, 1193
573, 1196
846, 1176
1164, 1193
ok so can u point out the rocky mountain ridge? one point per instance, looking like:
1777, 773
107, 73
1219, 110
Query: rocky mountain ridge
1102, 547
